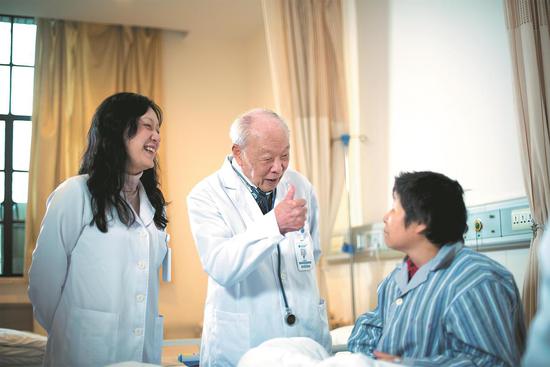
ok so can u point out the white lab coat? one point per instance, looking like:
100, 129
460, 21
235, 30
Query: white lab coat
95, 293
237, 246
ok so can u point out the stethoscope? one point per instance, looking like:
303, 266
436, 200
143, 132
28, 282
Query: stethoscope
290, 318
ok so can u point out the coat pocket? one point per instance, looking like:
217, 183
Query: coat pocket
231, 337
92, 337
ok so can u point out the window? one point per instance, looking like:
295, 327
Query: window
17, 44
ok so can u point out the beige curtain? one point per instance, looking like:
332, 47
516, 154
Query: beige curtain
77, 66
305, 43
529, 35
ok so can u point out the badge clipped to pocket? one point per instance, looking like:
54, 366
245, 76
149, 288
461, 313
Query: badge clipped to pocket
303, 250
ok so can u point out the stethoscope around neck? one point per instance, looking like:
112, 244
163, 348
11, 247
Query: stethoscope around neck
290, 318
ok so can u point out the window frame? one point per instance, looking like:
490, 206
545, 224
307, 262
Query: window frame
7, 207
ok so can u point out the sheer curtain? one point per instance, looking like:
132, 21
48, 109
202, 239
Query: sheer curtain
305, 43
529, 35
77, 66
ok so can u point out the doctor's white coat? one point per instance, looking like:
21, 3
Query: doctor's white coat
237, 246
95, 293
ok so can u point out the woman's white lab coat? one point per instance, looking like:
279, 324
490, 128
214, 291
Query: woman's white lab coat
95, 293
237, 246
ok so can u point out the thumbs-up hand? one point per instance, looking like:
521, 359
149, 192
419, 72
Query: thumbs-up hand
290, 213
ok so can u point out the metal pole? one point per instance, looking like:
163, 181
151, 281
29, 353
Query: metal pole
345, 140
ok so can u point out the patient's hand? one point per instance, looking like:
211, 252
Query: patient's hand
387, 357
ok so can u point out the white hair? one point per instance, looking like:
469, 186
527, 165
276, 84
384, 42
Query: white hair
240, 128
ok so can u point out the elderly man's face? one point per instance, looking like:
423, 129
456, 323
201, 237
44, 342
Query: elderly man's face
264, 158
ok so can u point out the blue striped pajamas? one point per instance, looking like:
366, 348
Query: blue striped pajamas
459, 309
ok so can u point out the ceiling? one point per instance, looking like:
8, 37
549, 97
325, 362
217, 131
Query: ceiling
219, 18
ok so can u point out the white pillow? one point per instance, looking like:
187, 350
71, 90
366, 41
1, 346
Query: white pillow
341, 335
21, 348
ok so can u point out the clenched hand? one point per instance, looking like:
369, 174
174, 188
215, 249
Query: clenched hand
290, 213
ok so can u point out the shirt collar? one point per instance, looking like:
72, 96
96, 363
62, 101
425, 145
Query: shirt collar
442, 259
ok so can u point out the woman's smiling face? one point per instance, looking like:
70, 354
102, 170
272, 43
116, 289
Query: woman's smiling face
143, 146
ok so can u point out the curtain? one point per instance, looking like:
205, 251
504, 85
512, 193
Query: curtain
305, 43
529, 35
78, 65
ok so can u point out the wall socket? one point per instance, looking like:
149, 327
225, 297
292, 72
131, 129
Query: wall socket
521, 219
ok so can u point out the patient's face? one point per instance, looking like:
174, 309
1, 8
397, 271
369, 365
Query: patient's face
396, 235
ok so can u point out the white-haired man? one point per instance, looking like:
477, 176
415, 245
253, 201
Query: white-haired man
255, 225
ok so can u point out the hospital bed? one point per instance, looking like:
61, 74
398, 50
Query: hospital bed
26, 349
21, 348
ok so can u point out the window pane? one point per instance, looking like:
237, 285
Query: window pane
1, 187
4, 89
22, 85
18, 249
24, 36
2, 144
19, 186
21, 144
19, 211
1, 248
5, 42
1, 195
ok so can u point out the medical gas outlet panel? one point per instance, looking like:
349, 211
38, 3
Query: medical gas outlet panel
503, 224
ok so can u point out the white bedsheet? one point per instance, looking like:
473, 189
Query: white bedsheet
21, 348
303, 352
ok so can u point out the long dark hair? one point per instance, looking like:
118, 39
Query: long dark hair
105, 159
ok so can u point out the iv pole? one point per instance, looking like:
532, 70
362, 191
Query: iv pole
349, 245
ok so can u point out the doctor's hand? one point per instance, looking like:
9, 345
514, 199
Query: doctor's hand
290, 213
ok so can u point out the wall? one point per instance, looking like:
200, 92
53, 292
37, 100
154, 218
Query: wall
451, 96
207, 83
436, 93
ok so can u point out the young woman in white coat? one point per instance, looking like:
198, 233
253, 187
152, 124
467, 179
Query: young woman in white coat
94, 281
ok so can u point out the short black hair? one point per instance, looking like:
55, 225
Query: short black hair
436, 201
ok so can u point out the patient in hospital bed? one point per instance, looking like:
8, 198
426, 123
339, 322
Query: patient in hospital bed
444, 304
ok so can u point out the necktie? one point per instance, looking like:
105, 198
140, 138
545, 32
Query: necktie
264, 199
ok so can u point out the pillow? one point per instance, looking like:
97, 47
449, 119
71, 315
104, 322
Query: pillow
341, 335
21, 348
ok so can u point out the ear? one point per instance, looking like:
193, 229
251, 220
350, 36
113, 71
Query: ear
419, 228
237, 153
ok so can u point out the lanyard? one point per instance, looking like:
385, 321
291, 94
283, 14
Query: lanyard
266, 201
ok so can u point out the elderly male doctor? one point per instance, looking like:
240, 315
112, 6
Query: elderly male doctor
255, 225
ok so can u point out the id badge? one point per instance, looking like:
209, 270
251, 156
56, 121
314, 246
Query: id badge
167, 262
167, 266
303, 250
